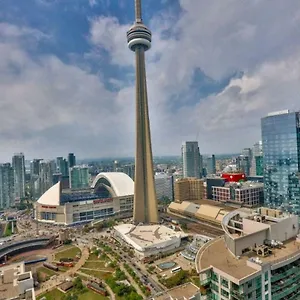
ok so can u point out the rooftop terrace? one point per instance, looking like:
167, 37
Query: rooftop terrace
216, 253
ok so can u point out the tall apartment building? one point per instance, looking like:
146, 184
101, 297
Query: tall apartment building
191, 160
246, 193
45, 176
62, 166
257, 258
71, 160
211, 165
164, 186
18, 165
257, 160
281, 160
243, 164
188, 189
6, 186
79, 177
34, 177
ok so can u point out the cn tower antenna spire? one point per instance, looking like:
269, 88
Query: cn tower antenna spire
145, 200
138, 11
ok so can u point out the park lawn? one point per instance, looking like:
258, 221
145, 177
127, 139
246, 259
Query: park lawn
52, 295
97, 274
71, 252
63, 269
96, 265
90, 295
8, 229
196, 281
46, 271
93, 256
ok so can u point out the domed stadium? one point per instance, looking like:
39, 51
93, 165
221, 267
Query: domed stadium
110, 194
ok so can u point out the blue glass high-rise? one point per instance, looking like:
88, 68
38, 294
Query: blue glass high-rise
281, 160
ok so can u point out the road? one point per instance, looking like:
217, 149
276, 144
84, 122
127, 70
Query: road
138, 268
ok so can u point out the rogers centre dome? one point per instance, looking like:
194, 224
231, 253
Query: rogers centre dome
110, 194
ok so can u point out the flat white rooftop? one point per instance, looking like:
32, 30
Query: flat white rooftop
148, 236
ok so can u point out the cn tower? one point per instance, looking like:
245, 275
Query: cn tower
145, 201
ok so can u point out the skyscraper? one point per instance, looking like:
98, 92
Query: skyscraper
62, 166
6, 186
191, 161
145, 201
45, 176
257, 160
79, 177
211, 165
164, 185
34, 177
281, 160
243, 164
71, 160
18, 165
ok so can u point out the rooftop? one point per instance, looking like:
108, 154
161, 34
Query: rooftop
185, 291
244, 185
145, 236
9, 287
216, 253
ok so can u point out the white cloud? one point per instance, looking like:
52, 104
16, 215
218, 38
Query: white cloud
220, 38
45, 102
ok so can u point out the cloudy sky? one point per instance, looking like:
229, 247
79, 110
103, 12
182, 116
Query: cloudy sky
215, 68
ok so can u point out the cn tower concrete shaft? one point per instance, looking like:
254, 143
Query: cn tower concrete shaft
145, 201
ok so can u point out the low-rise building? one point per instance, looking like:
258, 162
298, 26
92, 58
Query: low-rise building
149, 240
189, 189
15, 283
204, 212
243, 193
257, 258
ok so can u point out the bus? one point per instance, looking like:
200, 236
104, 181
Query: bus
177, 269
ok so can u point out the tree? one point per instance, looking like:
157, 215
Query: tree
70, 297
78, 285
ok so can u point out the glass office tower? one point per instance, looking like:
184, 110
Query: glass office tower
281, 159
191, 160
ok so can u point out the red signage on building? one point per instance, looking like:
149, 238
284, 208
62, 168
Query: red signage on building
234, 177
53, 207
106, 200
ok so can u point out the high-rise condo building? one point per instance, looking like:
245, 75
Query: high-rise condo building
243, 164
145, 201
62, 166
211, 165
256, 258
281, 160
71, 160
191, 161
6, 186
34, 177
164, 186
79, 177
257, 160
18, 165
45, 176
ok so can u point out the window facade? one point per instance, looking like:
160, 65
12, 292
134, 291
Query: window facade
281, 156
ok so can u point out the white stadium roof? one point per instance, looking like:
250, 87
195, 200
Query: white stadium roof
51, 196
120, 182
